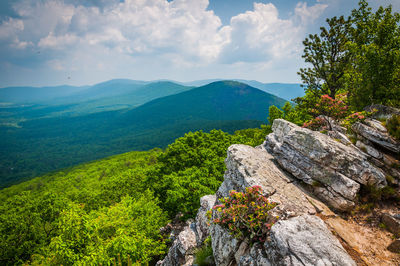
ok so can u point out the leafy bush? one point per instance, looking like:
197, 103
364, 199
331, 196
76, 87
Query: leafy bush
246, 215
289, 113
393, 126
334, 108
315, 124
353, 118
327, 107
191, 167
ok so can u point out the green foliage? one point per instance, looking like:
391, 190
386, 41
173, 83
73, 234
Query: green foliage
246, 215
83, 215
274, 113
329, 57
129, 228
46, 144
288, 112
373, 194
355, 117
113, 208
190, 168
26, 223
254, 136
393, 126
359, 55
374, 75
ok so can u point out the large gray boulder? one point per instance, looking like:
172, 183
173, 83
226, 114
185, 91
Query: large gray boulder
376, 135
333, 169
248, 166
305, 240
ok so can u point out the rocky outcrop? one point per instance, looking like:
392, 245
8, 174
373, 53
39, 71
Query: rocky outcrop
305, 240
383, 150
392, 223
334, 169
395, 246
247, 166
191, 237
300, 169
374, 132
382, 111
202, 222
182, 250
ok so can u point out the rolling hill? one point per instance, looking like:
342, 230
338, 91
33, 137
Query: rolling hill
107, 96
46, 144
29, 95
287, 91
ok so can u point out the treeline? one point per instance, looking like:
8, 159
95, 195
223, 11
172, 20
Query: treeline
112, 209
353, 62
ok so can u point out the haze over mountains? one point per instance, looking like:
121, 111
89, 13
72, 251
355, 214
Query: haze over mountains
80, 124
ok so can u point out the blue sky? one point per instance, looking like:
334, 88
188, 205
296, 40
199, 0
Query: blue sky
79, 42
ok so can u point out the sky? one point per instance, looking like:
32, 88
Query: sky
83, 42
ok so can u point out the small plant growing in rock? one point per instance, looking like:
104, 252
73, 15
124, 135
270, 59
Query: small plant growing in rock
246, 215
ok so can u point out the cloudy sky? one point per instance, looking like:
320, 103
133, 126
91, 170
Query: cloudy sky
79, 42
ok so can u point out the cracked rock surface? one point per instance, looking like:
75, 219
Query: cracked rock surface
335, 170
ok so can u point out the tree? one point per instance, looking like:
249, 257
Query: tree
374, 74
329, 57
289, 112
274, 113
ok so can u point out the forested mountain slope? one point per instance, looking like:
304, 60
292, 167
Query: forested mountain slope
42, 145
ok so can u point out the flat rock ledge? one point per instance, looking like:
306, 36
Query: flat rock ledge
305, 240
335, 171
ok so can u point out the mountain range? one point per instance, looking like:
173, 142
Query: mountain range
100, 121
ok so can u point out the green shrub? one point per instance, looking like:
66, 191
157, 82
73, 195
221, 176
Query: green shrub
393, 126
246, 215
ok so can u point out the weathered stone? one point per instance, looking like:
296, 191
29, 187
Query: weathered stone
256, 257
369, 150
392, 224
182, 250
380, 138
202, 227
317, 159
375, 124
248, 166
304, 240
224, 245
339, 137
390, 161
395, 246
242, 251
382, 111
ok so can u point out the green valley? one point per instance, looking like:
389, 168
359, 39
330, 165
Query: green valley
42, 144
90, 213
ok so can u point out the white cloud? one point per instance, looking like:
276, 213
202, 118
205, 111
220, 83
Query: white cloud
148, 36
260, 35
57, 42
10, 28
